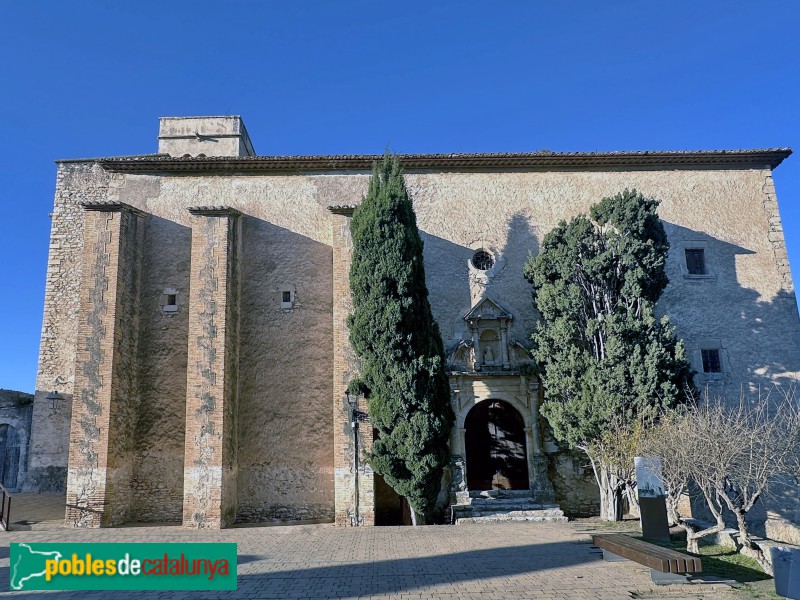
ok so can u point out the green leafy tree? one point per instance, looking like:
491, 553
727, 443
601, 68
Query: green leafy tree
400, 348
609, 366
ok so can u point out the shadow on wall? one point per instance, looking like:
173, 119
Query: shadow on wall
286, 376
452, 284
157, 481
757, 338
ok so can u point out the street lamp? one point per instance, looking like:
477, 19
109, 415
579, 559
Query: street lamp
355, 417
56, 401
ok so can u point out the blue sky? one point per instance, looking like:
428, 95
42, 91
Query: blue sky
82, 79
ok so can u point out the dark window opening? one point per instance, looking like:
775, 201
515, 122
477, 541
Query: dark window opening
287, 296
482, 260
695, 261
711, 362
172, 299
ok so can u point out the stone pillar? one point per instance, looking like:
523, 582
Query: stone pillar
345, 368
210, 458
504, 344
104, 407
476, 346
541, 485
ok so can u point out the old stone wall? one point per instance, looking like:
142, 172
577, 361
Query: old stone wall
157, 485
47, 466
16, 410
285, 431
745, 306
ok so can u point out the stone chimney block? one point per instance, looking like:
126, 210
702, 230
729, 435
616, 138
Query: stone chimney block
204, 136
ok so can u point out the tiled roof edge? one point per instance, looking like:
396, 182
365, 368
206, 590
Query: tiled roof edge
535, 160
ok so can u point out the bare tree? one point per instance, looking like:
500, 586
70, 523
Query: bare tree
731, 454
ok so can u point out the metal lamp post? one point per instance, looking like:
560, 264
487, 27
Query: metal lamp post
352, 403
356, 417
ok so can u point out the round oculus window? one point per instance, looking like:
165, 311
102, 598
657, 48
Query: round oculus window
482, 260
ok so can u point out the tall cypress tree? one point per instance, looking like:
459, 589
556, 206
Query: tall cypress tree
393, 333
608, 363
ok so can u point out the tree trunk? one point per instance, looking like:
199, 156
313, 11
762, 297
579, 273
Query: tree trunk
633, 499
749, 547
692, 545
672, 511
417, 518
611, 488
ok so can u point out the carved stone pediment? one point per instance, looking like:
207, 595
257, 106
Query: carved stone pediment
488, 308
489, 346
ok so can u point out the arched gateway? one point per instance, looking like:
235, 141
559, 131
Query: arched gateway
496, 443
497, 454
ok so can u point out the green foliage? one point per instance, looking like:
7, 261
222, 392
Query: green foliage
606, 360
393, 333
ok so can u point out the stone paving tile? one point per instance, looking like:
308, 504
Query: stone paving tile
515, 560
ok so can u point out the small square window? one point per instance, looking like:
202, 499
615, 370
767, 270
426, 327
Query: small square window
711, 361
695, 261
169, 300
287, 298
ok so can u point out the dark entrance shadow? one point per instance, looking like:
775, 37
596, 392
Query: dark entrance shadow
497, 456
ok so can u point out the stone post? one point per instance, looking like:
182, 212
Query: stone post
210, 458
541, 485
345, 368
504, 344
105, 402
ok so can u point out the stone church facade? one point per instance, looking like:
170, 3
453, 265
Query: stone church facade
195, 320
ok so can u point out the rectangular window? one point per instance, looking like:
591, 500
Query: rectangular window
287, 296
169, 300
711, 362
695, 261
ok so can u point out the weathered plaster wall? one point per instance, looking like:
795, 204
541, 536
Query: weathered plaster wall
163, 343
747, 305
285, 433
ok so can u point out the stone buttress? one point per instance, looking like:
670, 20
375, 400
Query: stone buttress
104, 408
210, 462
354, 480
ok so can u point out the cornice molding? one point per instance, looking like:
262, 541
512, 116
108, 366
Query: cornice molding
110, 206
756, 158
214, 211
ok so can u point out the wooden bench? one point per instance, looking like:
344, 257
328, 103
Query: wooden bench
666, 566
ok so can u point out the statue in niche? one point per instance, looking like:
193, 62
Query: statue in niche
488, 356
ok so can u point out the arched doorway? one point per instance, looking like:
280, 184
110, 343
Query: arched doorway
9, 456
497, 456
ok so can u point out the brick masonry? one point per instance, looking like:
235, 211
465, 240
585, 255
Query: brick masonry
210, 463
345, 368
104, 412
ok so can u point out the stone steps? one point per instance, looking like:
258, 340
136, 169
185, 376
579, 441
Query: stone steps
507, 519
500, 494
526, 504
499, 506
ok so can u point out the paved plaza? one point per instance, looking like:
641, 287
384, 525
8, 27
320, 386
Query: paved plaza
500, 561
